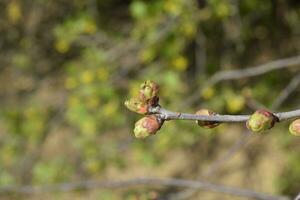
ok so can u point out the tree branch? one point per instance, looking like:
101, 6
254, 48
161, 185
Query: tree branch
254, 71
154, 182
243, 73
170, 115
293, 85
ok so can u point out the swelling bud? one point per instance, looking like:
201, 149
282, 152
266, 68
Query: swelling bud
147, 126
148, 90
206, 124
137, 106
261, 120
295, 127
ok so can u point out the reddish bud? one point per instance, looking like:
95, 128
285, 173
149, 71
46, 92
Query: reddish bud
206, 124
295, 127
137, 106
261, 120
147, 126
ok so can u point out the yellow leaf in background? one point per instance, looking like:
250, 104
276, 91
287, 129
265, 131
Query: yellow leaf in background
90, 27
30, 112
88, 127
146, 55
71, 83
102, 74
73, 101
208, 93
87, 77
110, 109
189, 30
92, 102
92, 166
180, 63
14, 11
222, 10
172, 7
62, 46
235, 103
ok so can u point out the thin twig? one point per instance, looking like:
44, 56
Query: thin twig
231, 151
294, 83
254, 71
170, 115
243, 73
154, 182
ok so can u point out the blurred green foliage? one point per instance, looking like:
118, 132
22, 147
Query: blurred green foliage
67, 67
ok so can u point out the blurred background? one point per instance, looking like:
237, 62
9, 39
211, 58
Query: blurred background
66, 68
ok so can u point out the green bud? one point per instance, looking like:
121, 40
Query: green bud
146, 126
148, 90
137, 106
261, 120
206, 124
295, 127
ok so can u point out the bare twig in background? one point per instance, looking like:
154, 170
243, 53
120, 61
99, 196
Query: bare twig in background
247, 72
294, 83
244, 138
254, 71
253, 104
200, 52
154, 182
231, 151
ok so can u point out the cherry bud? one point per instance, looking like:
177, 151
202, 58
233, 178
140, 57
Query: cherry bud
148, 90
261, 120
136, 105
147, 126
295, 127
206, 124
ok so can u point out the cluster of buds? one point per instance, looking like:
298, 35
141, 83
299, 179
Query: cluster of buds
261, 120
147, 98
206, 124
295, 127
